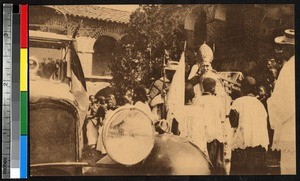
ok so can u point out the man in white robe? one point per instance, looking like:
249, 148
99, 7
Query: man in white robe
282, 108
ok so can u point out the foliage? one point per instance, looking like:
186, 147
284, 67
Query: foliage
152, 31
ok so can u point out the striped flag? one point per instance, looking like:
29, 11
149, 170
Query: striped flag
175, 98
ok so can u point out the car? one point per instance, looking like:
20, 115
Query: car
129, 137
53, 111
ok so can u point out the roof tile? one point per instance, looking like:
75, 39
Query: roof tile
95, 12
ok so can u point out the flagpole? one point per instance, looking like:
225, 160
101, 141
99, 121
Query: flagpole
184, 46
163, 115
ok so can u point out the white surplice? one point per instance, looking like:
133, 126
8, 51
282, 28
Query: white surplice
282, 108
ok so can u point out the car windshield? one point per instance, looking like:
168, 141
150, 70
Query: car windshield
48, 58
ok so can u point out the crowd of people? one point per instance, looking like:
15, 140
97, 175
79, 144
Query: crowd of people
235, 128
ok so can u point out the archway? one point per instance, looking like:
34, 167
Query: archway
200, 32
103, 56
195, 26
39, 17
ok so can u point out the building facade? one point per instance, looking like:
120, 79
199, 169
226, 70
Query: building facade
241, 35
98, 36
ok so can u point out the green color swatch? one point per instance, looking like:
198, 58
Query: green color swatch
24, 112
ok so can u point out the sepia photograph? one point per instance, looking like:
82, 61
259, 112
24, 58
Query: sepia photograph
162, 89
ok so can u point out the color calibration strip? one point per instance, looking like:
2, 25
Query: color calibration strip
15, 121
6, 90
23, 89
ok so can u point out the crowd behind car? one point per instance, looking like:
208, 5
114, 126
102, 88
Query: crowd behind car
233, 128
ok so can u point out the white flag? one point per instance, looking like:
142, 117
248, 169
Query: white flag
175, 98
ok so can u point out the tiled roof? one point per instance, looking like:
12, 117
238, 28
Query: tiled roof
95, 12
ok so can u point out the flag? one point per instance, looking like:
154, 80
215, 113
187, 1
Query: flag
78, 84
75, 72
175, 97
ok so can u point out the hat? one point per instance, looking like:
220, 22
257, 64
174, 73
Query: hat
206, 53
288, 38
172, 65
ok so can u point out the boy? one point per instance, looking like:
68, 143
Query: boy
213, 116
250, 141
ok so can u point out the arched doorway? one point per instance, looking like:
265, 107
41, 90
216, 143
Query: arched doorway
196, 28
103, 56
200, 32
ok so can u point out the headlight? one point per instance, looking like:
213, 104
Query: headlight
128, 135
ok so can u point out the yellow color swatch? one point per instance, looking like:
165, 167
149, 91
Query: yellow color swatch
23, 69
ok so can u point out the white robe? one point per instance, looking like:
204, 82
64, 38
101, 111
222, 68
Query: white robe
282, 108
252, 127
213, 117
192, 126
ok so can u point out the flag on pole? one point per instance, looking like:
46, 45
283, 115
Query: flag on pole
75, 72
175, 97
78, 84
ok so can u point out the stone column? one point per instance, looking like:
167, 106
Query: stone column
85, 48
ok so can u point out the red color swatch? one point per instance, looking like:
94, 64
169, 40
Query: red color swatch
24, 26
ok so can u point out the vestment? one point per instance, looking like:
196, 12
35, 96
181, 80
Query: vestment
213, 117
250, 138
192, 127
281, 106
225, 105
